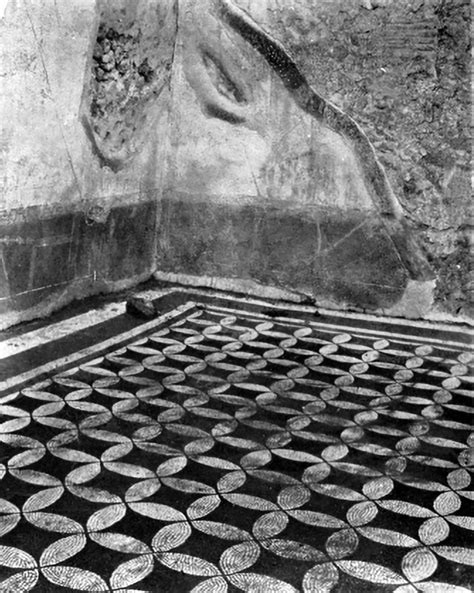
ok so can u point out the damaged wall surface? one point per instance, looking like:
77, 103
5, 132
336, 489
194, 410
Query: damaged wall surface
85, 108
317, 148
401, 68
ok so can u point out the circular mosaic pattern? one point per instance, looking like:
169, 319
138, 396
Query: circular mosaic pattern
227, 452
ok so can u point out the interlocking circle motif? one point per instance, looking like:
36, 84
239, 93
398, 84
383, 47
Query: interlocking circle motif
228, 452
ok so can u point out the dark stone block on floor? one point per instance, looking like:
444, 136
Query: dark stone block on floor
140, 307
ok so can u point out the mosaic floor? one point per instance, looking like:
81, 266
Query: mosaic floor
227, 448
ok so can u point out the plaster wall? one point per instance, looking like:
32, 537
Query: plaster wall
157, 136
72, 221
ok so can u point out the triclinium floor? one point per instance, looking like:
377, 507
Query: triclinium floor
235, 445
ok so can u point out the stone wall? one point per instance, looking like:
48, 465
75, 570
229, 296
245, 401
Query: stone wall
320, 147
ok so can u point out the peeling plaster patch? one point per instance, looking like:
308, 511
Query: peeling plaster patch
416, 302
